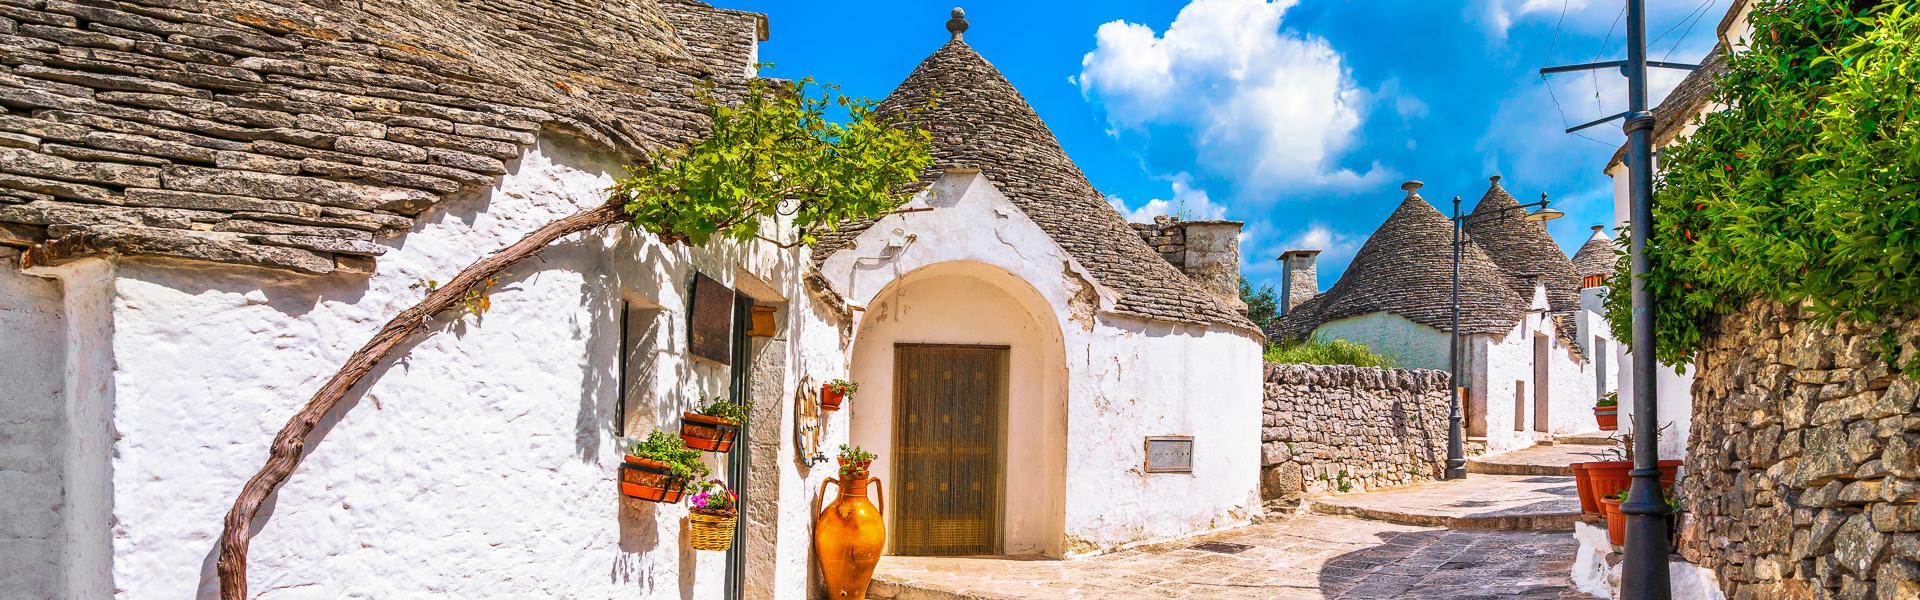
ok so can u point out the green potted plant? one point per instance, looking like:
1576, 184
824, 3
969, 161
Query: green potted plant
836, 391
1606, 411
714, 425
854, 461
658, 468
713, 512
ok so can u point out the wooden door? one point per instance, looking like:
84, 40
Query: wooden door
947, 449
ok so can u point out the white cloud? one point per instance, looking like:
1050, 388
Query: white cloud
1188, 203
1499, 16
1270, 108
1334, 246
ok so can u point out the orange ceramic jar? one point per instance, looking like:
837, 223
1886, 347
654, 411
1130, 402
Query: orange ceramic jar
848, 537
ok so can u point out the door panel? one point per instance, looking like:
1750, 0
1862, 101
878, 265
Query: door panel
947, 449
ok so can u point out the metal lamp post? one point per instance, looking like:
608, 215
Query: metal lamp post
1456, 436
1643, 574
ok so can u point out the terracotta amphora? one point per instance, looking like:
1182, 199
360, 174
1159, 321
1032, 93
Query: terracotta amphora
848, 537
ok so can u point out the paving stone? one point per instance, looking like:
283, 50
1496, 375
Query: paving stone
1308, 556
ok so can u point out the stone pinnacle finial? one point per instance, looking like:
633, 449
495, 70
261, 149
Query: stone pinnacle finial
958, 24
1597, 228
1495, 179
1412, 187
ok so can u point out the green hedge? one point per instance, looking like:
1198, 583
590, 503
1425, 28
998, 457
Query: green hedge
1804, 188
1328, 352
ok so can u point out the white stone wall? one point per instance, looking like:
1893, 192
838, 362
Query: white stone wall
1126, 378
480, 463
1412, 345
1503, 364
33, 428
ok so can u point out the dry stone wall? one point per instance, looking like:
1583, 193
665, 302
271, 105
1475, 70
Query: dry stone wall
1803, 469
1329, 427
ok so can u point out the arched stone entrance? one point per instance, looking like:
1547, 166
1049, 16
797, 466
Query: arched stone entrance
980, 323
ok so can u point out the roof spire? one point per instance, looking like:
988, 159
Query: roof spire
1412, 187
958, 24
1495, 179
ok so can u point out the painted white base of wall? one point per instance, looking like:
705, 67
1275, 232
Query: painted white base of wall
33, 430
1593, 575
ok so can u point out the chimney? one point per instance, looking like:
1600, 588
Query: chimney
1213, 259
1299, 280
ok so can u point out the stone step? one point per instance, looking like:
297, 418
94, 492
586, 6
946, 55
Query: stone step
1483, 502
1480, 467
1597, 438
1555, 521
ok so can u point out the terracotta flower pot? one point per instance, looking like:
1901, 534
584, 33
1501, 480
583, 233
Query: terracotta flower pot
650, 480
848, 536
830, 399
1608, 416
1616, 521
712, 434
1610, 477
860, 467
1584, 485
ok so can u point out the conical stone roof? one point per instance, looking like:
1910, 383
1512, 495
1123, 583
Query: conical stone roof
1596, 257
1524, 248
1405, 268
978, 120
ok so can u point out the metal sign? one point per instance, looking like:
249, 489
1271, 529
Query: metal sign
1170, 454
710, 319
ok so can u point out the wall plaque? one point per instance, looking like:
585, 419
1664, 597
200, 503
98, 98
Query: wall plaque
1170, 454
710, 319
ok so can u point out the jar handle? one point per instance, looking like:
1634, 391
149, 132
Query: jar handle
879, 497
821, 495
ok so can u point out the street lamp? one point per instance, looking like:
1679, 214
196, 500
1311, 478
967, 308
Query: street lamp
1456, 438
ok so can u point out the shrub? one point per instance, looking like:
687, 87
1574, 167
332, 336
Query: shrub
1804, 189
1328, 352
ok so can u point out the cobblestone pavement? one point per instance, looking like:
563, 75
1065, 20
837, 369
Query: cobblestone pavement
1514, 502
1304, 557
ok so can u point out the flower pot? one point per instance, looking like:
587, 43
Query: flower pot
712, 531
1608, 416
1609, 477
712, 434
650, 480
1616, 521
848, 536
860, 466
1669, 473
1584, 486
830, 399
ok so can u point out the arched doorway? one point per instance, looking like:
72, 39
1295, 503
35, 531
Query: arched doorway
963, 386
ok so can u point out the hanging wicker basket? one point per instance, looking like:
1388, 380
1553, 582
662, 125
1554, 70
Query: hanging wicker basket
712, 532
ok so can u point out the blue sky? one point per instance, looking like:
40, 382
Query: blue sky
1300, 118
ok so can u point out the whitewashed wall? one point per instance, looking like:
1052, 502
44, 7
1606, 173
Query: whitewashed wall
1412, 345
1673, 391
1126, 378
33, 429
1502, 364
481, 463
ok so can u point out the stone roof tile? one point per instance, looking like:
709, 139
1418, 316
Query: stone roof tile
1523, 248
1405, 269
1596, 257
278, 133
978, 120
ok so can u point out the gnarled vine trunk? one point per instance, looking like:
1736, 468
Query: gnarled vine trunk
290, 444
